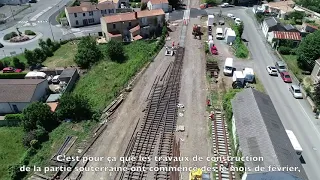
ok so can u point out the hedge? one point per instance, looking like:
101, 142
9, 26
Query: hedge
284, 50
13, 117
10, 35
13, 75
29, 32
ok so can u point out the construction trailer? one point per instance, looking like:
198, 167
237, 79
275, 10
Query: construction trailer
210, 20
229, 35
248, 75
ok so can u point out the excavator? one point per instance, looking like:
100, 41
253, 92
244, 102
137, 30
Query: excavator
196, 31
199, 175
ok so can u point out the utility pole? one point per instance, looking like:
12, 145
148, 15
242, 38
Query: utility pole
12, 12
51, 30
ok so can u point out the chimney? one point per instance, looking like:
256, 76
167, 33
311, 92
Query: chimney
136, 15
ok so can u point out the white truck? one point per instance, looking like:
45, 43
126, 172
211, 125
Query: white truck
295, 143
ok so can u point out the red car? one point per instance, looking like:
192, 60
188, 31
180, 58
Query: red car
286, 77
11, 70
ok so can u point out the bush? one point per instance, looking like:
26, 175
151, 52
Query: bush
29, 32
10, 35
18, 64
13, 117
241, 49
284, 50
133, 5
115, 50
12, 75
35, 137
15, 173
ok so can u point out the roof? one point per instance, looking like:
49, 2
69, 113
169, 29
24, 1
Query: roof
158, 1
106, 1
35, 73
238, 74
147, 13
231, 32
287, 35
53, 106
131, 16
261, 133
272, 21
86, 7
68, 72
120, 17
137, 37
285, 6
53, 97
18, 90
312, 26
288, 27
135, 29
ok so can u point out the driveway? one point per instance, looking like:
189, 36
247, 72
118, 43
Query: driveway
295, 115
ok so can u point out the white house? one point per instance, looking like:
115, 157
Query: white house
158, 4
270, 24
16, 94
14, 2
88, 13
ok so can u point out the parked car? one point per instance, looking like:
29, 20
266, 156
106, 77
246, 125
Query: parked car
225, 5
11, 70
286, 77
237, 21
272, 71
55, 79
295, 91
230, 15
281, 66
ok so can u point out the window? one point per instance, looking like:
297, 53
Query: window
91, 20
114, 26
111, 11
84, 14
129, 24
90, 13
75, 14
77, 23
103, 11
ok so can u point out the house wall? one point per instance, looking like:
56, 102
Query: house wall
80, 18
72, 81
270, 37
121, 26
163, 6
41, 91
7, 108
314, 75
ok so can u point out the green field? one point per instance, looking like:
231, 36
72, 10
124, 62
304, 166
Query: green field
102, 83
63, 57
11, 148
57, 137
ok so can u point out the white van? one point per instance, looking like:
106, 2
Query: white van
228, 67
219, 33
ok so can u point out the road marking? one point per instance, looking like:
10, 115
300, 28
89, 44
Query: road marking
304, 111
34, 18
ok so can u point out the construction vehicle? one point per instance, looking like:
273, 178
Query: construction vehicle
199, 175
196, 31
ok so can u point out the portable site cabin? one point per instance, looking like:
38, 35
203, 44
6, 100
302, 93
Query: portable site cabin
238, 77
229, 35
35, 75
248, 75
210, 20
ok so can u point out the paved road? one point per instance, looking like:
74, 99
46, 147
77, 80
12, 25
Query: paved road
295, 115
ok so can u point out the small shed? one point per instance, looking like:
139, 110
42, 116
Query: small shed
53, 98
69, 76
35, 75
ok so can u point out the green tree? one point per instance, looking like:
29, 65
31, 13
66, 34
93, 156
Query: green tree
45, 48
39, 55
297, 15
212, 2
240, 29
316, 95
75, 107
115, 50
18, 64
30, 56
308, 51
143, 6
38, 114
88, 52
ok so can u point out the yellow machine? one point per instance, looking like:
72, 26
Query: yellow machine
199, 175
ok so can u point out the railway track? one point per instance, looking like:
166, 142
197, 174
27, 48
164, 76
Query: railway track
156, 134
221, 148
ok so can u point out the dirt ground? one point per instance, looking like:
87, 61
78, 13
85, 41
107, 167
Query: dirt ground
114, 140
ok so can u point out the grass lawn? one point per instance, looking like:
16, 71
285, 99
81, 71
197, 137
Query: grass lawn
56, 139
19, 56
63, 57
11, 148
291, 61
102, 83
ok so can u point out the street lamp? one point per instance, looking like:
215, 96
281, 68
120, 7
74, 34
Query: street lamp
51, 30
